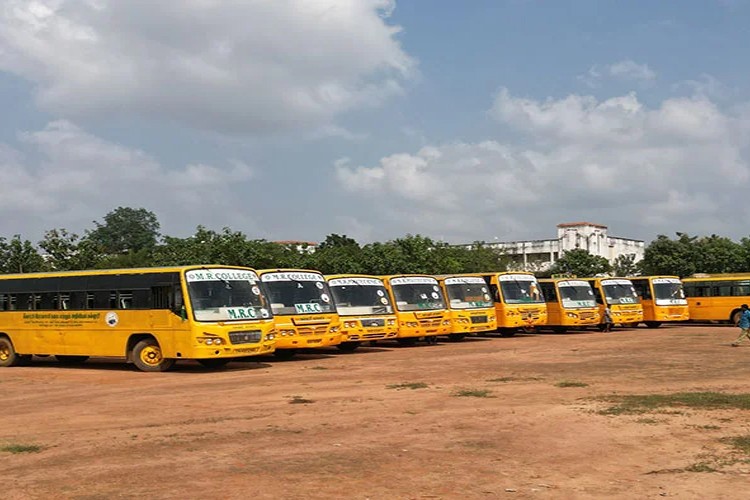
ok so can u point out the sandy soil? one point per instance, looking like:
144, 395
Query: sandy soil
331, 425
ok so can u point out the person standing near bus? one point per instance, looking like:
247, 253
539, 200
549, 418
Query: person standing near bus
744, 324
607, 320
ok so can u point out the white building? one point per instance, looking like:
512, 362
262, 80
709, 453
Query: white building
539, 255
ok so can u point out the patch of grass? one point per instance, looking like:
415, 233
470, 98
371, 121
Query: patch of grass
473, 393
502, 379
707, 427
634, 404
700, 467
21, 448
739, 443
571, 383
299, 400
318, 367
408, 385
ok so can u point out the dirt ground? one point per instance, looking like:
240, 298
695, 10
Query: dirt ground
331, 425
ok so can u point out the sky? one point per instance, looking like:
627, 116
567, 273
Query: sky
294, 119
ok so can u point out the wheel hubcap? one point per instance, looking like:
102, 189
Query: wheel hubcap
4, 353
151, 355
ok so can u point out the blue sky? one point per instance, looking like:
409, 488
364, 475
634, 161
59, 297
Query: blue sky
294, 119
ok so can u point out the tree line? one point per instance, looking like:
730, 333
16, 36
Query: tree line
130, 237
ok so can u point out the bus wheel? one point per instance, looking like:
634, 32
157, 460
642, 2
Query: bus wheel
407, 341
630, 325
9, 356
507, 332
284, 354
214, 363
600, 327
456, 337
71, 360
147, 357
348, 346
653, 324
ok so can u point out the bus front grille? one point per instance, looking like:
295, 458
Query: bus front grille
249, 337
312, 330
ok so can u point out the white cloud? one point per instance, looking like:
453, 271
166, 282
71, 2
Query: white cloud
630, 70
626, 70
66, 177
212, 64
677, 166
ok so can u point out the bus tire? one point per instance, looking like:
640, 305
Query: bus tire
653, 324
348, 346
214, 363
734, 318
507, 332
71, 360
8, 354
147, 357
284, 354
456, 337
630, 325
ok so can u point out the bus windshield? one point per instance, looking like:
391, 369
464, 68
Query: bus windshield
360, 296
226, 295
417, 294
620, 292
576, 294
298, 293
520, 289
468, 293
668, 291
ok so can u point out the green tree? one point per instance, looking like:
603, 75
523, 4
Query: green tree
717, 254
338, 254
226, 247
67, 251
671, 257
625, 265
581, 263
126, 230
20, 256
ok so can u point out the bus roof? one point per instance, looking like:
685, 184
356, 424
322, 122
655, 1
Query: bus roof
133, 270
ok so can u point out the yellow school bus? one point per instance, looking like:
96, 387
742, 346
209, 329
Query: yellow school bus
519, 303
663, 299
151, 316
619, 295
420, 307
716, 297
303, 309
470, 305
570, 304
364, 307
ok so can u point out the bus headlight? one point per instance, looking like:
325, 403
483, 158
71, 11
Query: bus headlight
411, 324
285, 333
446, 322
571, 315
391, 322
334, 329
350, 324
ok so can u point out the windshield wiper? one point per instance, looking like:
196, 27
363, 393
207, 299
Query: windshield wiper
226, 282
